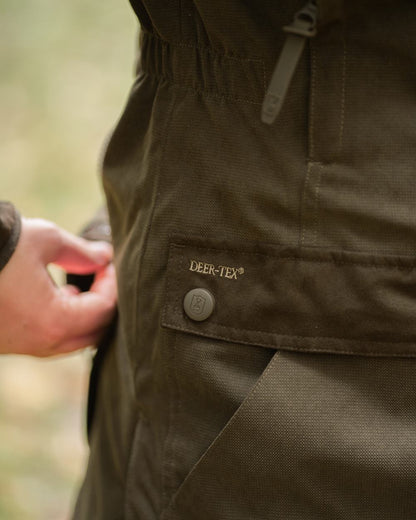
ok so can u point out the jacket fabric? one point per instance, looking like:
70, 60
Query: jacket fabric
295, 398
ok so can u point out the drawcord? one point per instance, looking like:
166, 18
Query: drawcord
302, 27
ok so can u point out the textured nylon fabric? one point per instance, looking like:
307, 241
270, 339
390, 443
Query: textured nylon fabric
296, 398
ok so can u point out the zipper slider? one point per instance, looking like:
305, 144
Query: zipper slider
302, 27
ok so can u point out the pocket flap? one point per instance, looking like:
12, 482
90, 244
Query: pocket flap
288, 298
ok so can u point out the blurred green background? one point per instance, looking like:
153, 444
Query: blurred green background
65, 71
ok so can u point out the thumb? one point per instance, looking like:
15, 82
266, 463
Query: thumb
79, 256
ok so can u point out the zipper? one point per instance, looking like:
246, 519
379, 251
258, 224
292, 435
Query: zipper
302, 28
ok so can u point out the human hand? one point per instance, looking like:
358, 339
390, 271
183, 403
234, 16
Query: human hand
37, 317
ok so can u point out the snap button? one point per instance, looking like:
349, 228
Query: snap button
199, 304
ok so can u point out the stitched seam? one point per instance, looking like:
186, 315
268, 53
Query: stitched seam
207, 49
207, 93
316, 218
128, 510
370, 265
237, 413
303, 207
344, 66
168, 465
173, 235
264, 76
168, 461
312, 104
303, 218
210, 50
410, 353
177, 284
181, 15
168, 284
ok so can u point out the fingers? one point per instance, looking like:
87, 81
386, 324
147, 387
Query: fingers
37, 317
105, 283
85, 313
72, 253
77, 316
80, 256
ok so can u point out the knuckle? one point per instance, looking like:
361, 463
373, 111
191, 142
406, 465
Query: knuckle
41, 225
44, 231
48, 228
53, 233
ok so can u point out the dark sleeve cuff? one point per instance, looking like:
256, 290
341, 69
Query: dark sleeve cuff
10, 226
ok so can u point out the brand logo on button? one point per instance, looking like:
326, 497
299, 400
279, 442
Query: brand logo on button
198, 304
222, 271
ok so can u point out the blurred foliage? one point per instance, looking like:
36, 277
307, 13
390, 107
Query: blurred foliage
65, 71
65, 68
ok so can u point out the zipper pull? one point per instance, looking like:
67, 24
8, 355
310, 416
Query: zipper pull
302, 27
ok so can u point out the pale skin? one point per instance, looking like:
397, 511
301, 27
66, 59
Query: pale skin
37, 317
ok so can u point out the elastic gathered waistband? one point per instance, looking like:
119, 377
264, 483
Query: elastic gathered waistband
204, 70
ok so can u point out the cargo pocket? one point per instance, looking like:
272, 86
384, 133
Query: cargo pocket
328, 428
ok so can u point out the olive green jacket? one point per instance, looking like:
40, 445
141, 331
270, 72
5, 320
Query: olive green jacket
263, 363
